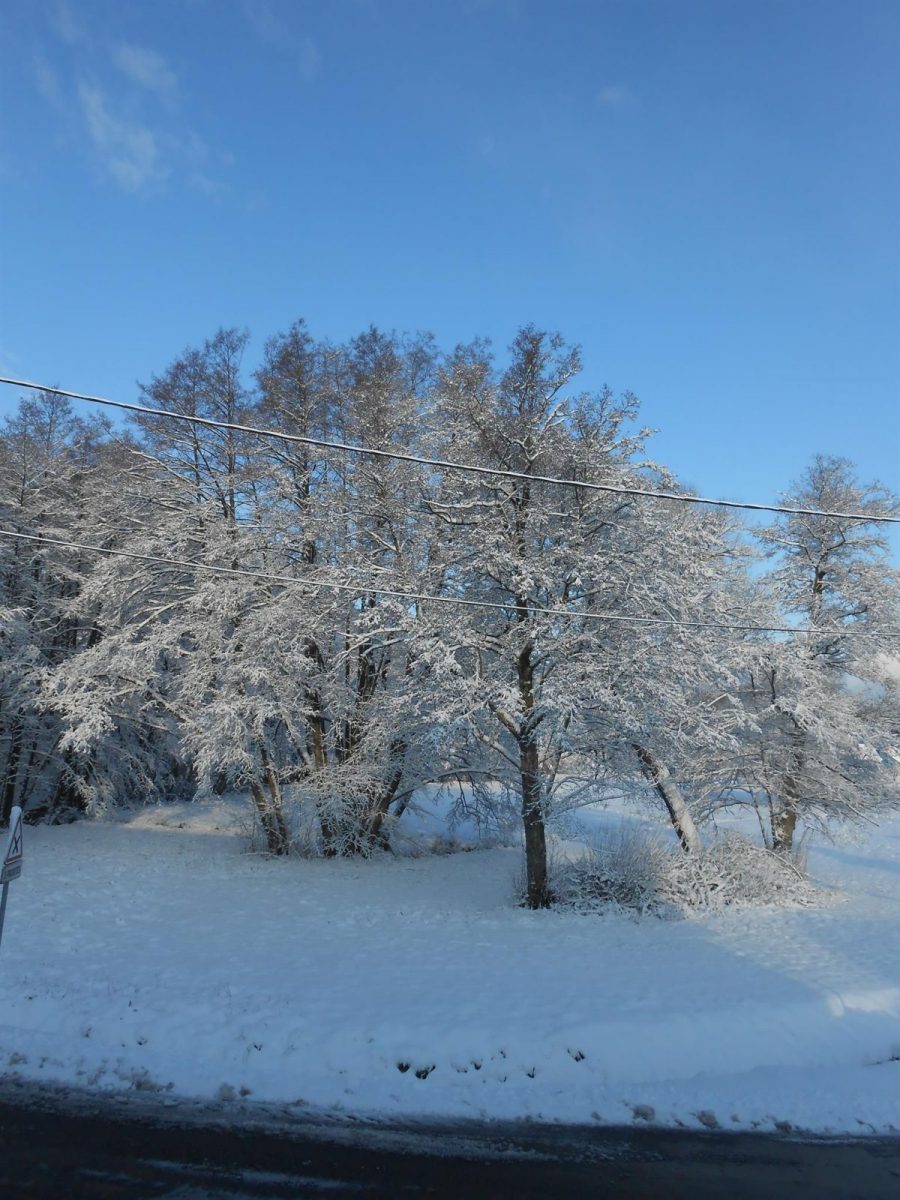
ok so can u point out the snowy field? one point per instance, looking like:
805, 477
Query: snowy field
155, 953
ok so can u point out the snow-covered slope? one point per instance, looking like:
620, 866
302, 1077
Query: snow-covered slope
154, 953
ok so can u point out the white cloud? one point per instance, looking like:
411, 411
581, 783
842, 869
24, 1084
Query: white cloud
129, 152
198, 161
486, 145
613, 96
270, 28
9, 362
265, 22
65, 24
207, 186
308, 58
124, 103
47, 82
147, 69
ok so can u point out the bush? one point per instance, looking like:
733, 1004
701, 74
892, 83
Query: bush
637, 872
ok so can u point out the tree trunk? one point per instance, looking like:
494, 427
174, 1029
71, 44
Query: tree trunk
784, 818
67, 801
537, 893
320, 759
784, 822
679, 813
12, 770
274, 841
276, 809
377, 835
30, 776
271, 814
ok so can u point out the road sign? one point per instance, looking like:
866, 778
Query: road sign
11, 867
12, 859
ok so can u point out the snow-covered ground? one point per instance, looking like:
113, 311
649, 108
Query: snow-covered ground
155, 953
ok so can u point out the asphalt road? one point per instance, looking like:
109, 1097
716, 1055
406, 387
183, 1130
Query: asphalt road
76, 1146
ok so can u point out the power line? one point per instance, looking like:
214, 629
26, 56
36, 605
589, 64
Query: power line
292, 581
444, 464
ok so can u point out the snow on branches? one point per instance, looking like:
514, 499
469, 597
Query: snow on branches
304, 683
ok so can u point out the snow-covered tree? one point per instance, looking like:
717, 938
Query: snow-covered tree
50, 471
296, 666
353, 520
672, 679
312, 678
822, 707
531, 679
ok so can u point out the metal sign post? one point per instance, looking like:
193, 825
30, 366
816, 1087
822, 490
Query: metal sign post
11, 867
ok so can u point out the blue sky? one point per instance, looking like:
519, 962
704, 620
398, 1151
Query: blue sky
702, 193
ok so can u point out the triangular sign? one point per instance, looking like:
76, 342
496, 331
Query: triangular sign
14, 847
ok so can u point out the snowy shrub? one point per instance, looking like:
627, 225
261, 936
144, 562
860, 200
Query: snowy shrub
639, 873
626, 872
734, 871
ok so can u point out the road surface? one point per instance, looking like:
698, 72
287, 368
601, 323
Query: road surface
56, 1143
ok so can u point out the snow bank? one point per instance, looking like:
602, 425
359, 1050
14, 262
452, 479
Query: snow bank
153, 953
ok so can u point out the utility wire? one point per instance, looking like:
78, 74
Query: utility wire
444, 464
292, 581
